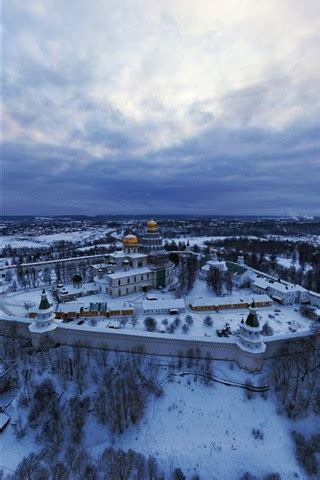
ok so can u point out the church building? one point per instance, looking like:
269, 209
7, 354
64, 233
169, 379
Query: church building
139, 267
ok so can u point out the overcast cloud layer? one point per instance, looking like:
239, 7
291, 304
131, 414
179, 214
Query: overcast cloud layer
171, 106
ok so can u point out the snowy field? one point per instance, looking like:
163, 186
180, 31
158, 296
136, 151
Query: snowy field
47, 240
287, 263
202, 239
202, 429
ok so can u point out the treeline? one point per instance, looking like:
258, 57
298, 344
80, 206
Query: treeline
299, 251
112, 464
262, 255
295, 377
310, 279
188, 272
219, 281
58, 251
244, 227
33, 278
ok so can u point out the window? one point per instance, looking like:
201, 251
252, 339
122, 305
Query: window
119, 282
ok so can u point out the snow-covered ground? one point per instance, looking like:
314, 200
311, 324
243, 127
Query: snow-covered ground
202, 429
209, 430
47, 240
314, 239
282, 318
288, 263
200, 240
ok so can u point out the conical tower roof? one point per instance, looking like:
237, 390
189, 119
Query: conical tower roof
252, 319
44, 303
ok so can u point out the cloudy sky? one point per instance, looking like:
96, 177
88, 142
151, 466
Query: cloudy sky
161, 106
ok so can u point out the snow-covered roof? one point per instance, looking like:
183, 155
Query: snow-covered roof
232, 300
86, 287
314, 294
214, 264
122, 254
128, 273
236, 269
164, 303
261, 283
112, 304
265, 283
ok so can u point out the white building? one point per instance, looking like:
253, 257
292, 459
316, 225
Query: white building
241, 275
213, 263
130, 271
314, 299
233, 302
283, 292
172, 306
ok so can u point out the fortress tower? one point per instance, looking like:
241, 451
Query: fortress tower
250, 338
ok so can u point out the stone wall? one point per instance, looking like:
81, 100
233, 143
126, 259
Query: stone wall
151, 343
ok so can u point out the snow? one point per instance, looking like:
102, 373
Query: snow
127, 273
282, 318
202, 429
228, 300
47, 240
207, 430
163, 303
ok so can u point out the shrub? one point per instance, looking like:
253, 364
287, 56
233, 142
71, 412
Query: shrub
189, 319
267, 331
185, 328
248, 476
150, 324
257, 433
171, 328
178, 474
208, 321
177, 321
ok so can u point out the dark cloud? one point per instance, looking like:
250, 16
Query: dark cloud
272, 178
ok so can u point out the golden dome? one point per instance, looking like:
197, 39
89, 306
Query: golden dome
130, 241
152, 226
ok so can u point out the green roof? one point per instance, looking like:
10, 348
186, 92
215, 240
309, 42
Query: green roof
44, 304
235, 269
252, 320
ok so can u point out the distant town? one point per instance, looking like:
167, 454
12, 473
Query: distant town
180, 290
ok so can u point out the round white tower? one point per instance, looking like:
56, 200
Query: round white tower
45, 315
250, 338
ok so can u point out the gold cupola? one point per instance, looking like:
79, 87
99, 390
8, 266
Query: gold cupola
152, 226
130, 241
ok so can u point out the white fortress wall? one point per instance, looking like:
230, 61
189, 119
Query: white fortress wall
151, 343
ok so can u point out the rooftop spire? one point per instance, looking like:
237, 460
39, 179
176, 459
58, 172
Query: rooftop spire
44, 303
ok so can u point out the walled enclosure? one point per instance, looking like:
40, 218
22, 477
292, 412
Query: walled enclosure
150, 343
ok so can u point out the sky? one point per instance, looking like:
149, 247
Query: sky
171, 106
